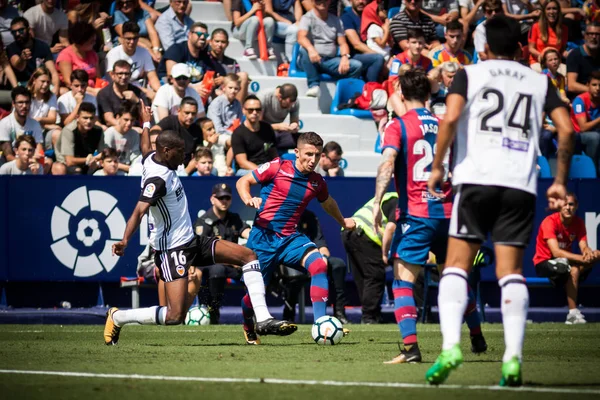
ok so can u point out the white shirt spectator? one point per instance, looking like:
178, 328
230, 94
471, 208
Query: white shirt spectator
46, 25
10, 168
141, 62
10, 129
373, 32
126, 144
166, 97
40, 108
67, 103
480, 38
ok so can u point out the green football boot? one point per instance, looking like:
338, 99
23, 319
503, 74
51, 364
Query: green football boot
447, 361
511, 373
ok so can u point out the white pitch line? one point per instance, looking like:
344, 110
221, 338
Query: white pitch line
275, 381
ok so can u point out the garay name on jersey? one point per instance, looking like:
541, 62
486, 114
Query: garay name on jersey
495, 72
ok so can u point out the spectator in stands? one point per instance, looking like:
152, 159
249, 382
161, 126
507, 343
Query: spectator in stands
225, 111
549, 31
583, 60
130, 10
253, 142
370, 60
90, 12
321, 35
44, 105
80, 55
174, 24
470, 13
441, 12
122, 137
413, 18
79, 141
452, 49
168, 98
375, 28
210, 139
109, 163
143, 73
524, 11
285, 13
192, 52
223, 65
413, 55
24, 162
245, 27
27, 53
47, 21
183, 123
203, 161
219, 221
277, 105
442, 78
572, 18
490, 8
329, 164
7, 14
19, 123
8, 79
550, 63
586, 119
112, 96
591, 11
68, 103
554, 257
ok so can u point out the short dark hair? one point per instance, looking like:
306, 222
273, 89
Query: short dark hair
333, 146
170, 139
188, 100
24, 138
198, 24
87, 107
203, 120
573, 195
415, 85
503, 34
203, 152
127, 107
454, 25
491, 5
19, 91
414, 33
122, 64
109, 152
131, 27
80, 32
288, 91
80, 75
310, 138
251, 97
592, 24
220, 31
594, 75
20, 20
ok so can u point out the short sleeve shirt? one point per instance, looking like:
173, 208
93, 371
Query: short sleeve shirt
45, 25
40, 53
553, 228
89, 64
322, 34
255, 145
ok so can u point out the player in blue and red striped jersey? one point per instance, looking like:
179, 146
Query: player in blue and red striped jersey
287, 188
408, 150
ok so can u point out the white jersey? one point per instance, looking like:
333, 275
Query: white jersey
497, 135
169, 219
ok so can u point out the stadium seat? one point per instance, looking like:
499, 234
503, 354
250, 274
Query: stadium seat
393, 11
582, 167
344, 91
545, 171
294, 70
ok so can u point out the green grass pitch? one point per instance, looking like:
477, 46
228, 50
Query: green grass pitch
561, 362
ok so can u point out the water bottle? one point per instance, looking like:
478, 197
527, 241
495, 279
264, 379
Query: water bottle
106, 36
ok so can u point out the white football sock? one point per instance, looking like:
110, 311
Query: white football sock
256, 290
143, 316
452, 303
515, 302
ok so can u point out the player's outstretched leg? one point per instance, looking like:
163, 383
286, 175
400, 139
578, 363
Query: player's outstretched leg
515, 302
405, 311
478, 343
452, 302
174, 314
319, 285
234, 254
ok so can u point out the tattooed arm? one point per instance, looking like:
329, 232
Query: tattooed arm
384, 176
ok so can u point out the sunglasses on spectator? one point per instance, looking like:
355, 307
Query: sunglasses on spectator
182, 78
252, 110
126, 2
224, 198
201, 34
19, 31
494, 10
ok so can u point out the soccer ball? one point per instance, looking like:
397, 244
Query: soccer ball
327, 330
197, 316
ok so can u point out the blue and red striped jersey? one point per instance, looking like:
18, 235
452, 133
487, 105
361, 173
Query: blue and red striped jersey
413, 137
285, 194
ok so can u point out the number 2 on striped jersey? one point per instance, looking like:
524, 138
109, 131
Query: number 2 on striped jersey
422, 168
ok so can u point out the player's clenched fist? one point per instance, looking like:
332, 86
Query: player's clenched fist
118, 249
349, 224
254, 202
435, 182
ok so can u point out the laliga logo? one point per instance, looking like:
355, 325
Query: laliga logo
84, 228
